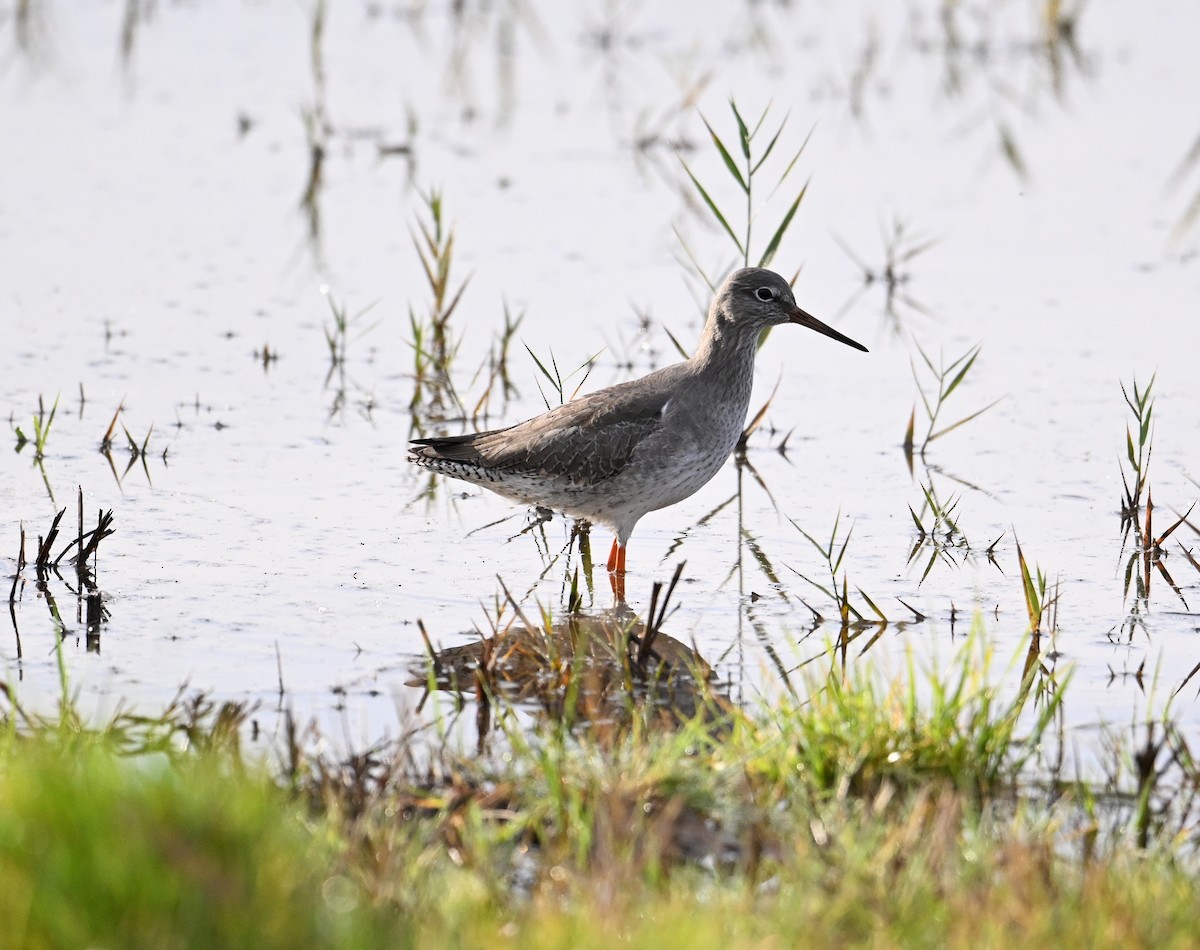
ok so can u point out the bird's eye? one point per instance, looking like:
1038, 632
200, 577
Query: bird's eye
764, 293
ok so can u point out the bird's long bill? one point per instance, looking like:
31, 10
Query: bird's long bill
808, 320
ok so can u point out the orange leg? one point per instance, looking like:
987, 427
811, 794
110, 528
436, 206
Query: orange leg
617, 580
616, 570
616, 558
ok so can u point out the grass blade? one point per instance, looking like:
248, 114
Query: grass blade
744, 133
726, 157
773, 245
767, 151
961, 373
964, 420
714, 209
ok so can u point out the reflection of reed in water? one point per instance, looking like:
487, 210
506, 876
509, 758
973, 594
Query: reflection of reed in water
590, 670
91, 607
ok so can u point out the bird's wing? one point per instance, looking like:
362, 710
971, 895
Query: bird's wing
587, 440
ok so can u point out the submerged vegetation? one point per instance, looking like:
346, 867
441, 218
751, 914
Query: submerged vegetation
91, 610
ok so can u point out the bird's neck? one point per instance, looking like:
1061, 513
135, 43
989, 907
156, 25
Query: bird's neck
725, 358
723, 346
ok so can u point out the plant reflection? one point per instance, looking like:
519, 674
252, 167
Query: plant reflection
91, 610
590, 671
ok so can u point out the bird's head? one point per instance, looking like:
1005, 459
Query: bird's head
753, 299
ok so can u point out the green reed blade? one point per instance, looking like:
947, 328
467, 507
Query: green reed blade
714, 209
773, 245
725, 156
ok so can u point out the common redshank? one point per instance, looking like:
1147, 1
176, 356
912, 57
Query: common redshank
613, 455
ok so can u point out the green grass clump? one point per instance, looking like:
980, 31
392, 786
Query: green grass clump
42, 421
861, 811
856, 736
98, 849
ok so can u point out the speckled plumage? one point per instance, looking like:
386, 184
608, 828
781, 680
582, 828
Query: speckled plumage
616, 454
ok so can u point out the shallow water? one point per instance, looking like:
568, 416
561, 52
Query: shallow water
153, 239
